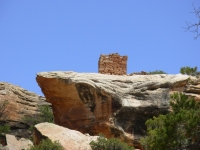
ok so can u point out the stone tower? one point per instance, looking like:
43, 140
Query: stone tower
112, 64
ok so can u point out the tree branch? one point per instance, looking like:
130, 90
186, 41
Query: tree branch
194, 27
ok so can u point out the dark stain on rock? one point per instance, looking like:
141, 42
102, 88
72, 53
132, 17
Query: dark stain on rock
116, 103
133, 120
116, 132
2, 86
87, 95
103, 98
166, 85
85, 92
138, 95
92, 108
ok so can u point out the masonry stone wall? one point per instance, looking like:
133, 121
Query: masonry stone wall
112, 64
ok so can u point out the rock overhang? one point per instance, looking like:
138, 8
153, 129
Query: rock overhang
88, 102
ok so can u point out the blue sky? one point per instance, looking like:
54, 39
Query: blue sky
70, 35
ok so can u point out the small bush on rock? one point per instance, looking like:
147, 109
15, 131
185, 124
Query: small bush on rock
189, 71
46, 115
109, 144
157, 72
4, 128
46, 144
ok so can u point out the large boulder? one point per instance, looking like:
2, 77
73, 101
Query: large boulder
116, 106
69, 139
20, 103
14, 144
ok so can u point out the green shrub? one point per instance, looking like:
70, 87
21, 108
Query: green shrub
46, 144
177, 130
45, 115
189, 71
3, 112
157, 72
4, 128
109, 144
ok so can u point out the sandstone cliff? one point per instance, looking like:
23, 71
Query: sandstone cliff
116, 106
20, 103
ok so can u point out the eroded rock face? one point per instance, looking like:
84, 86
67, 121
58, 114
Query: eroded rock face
193, 88
69, 139
116, 106
20, 103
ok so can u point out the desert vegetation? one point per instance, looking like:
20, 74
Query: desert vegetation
46, 144
109, 144
157, 72
189, 71
45, 115
4, 128
180, 129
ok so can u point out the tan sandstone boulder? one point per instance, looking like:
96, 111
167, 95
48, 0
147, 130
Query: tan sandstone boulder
14, 144
69, 139
116, 106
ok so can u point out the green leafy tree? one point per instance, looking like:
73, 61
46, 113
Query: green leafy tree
45, 115
177, 130
109, 144
157, 72
46, 144
189, 71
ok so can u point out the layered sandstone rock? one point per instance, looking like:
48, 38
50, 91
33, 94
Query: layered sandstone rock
112, 64
69, 139
116, 106
20, 103
193, 88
